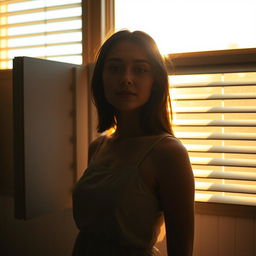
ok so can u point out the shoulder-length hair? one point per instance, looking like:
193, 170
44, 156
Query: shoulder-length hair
156, 114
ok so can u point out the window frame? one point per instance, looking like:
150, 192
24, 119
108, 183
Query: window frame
210, 62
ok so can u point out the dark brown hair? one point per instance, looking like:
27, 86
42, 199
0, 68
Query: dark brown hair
154, 114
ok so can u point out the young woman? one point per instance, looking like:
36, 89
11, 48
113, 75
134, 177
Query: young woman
139, 176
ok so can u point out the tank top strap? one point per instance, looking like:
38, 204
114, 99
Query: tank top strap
147, 151
102, 139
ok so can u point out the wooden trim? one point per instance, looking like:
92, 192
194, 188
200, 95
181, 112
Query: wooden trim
214, 57
97, 24
223, 61
219, 209
109, 17
91, 29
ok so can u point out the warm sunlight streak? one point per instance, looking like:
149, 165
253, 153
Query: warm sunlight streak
162, 232
196, 25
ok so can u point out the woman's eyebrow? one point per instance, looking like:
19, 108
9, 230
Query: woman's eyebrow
135, 60
114, 59
141, 61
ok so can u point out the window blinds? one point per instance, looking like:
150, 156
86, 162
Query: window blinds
214, 105
48, 29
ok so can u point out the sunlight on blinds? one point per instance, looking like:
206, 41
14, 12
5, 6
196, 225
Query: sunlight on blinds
214, 116
47, 29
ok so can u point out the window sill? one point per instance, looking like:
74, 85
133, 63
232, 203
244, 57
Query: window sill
225, 209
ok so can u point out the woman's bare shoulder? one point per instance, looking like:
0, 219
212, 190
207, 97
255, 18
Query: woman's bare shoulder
170, 146
169, 154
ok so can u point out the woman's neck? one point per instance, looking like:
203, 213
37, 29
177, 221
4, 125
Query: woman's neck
129, 125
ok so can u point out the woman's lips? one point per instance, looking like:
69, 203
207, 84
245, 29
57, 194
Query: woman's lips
126, 93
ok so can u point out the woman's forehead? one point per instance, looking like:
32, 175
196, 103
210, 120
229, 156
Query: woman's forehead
128, 50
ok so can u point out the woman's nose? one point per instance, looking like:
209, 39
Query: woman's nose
127, 78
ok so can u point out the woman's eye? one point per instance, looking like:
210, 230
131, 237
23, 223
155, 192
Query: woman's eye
140, 70
114, 68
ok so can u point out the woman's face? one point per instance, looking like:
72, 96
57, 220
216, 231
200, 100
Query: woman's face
127, 76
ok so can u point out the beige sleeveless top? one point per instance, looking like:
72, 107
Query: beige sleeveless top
115, 204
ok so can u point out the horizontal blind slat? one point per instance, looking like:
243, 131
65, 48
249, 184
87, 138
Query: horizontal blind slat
248, 189
222, 162
216, 136
211, 84
14, 1
41, 9
221, 149
226, 96
40, 22
245, 176
239, 123
43, 45
56, 32
201, 110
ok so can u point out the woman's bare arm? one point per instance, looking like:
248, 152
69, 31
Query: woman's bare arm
176, 188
